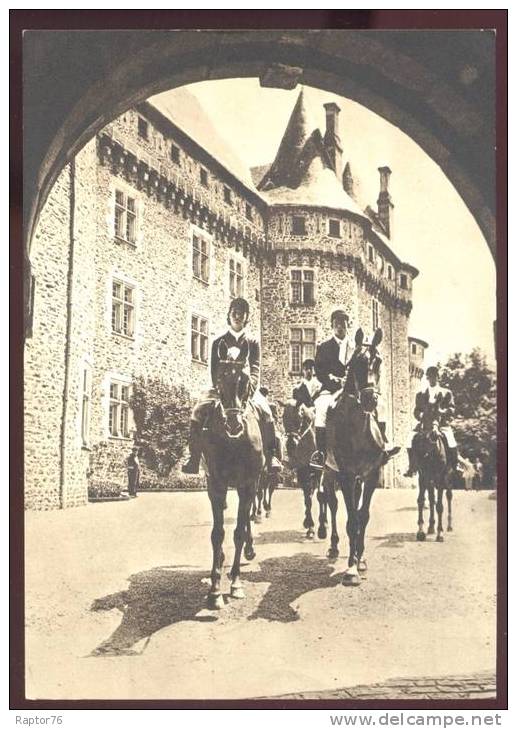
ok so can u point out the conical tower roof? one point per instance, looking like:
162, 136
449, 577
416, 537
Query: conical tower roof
284, 170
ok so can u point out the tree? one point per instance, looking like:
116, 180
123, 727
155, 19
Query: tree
473, 384
161, 413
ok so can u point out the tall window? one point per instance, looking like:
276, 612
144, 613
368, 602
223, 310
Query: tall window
236, 278
143, 128
390, 272
375, 314
403, 281
413, 349
227, 195
199, 339
302, 286
334, 228
123, 309
119, 409
302, 346
85, 405
175, 154
298, 225
200, 258
125, 217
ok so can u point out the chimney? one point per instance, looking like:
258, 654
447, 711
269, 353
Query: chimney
348, 180
384, 202
331, 139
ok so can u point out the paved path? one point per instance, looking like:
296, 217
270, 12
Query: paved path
473, 686
115, 602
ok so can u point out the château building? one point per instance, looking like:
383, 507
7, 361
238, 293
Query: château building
146, 236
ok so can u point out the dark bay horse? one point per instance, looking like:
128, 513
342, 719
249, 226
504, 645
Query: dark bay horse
434, 473
233, 454
355, 452
300, 444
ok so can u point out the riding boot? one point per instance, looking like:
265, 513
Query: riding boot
453, 460
389, 454
318, 457
412, 469
192, 465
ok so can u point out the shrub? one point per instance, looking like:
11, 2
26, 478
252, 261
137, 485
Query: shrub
161, 414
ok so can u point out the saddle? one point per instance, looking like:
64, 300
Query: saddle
354, 438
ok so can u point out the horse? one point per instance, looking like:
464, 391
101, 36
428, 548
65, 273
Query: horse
233, 455
355, 452
433, 473
265, 488
300, 444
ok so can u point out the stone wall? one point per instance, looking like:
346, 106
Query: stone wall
45, 351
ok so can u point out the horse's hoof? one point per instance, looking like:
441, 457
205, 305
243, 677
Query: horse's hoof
420, 536
449, 529
258, 519
249, 554
333, 553
310, 533
362, 566
237, 593
351, 580
431, 530
439, 538
268, 514
306, 524
214, 602
322, 532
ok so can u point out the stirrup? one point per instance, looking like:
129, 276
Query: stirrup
317, 461
191, 466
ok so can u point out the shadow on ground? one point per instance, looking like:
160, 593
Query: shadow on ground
289, 578
164, 596
395, 539
154, 599
280, 537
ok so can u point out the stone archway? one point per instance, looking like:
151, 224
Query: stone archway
436, 87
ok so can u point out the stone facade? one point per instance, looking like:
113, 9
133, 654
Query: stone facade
176, 194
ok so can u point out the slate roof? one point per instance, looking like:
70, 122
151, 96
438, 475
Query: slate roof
184, 110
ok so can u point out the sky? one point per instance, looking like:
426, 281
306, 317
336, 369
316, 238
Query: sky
454, 297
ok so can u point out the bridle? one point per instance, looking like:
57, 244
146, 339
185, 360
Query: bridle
243, 402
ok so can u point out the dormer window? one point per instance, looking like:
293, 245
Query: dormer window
334, 228
413, 349
403, 281
203, 176
143, 128
298, 225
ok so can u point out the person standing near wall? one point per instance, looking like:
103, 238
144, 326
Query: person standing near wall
133, 473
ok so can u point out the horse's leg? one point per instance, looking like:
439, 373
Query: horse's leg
217, 499
322, 502
439, 511
304, 479
431, 492
449, 509
258, 498
239, 537
369, 487
329, 485
348, 487
267, 495
420, 535
249, 551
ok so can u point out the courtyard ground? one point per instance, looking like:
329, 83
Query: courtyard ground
115, 604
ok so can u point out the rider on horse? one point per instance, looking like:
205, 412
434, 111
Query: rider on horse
435, 404
309, 387
241, 347
333, 359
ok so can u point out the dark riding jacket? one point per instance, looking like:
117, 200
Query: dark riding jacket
249, 352
444, 406
327, 363
302, 395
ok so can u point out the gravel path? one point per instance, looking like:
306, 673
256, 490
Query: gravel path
115, 601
